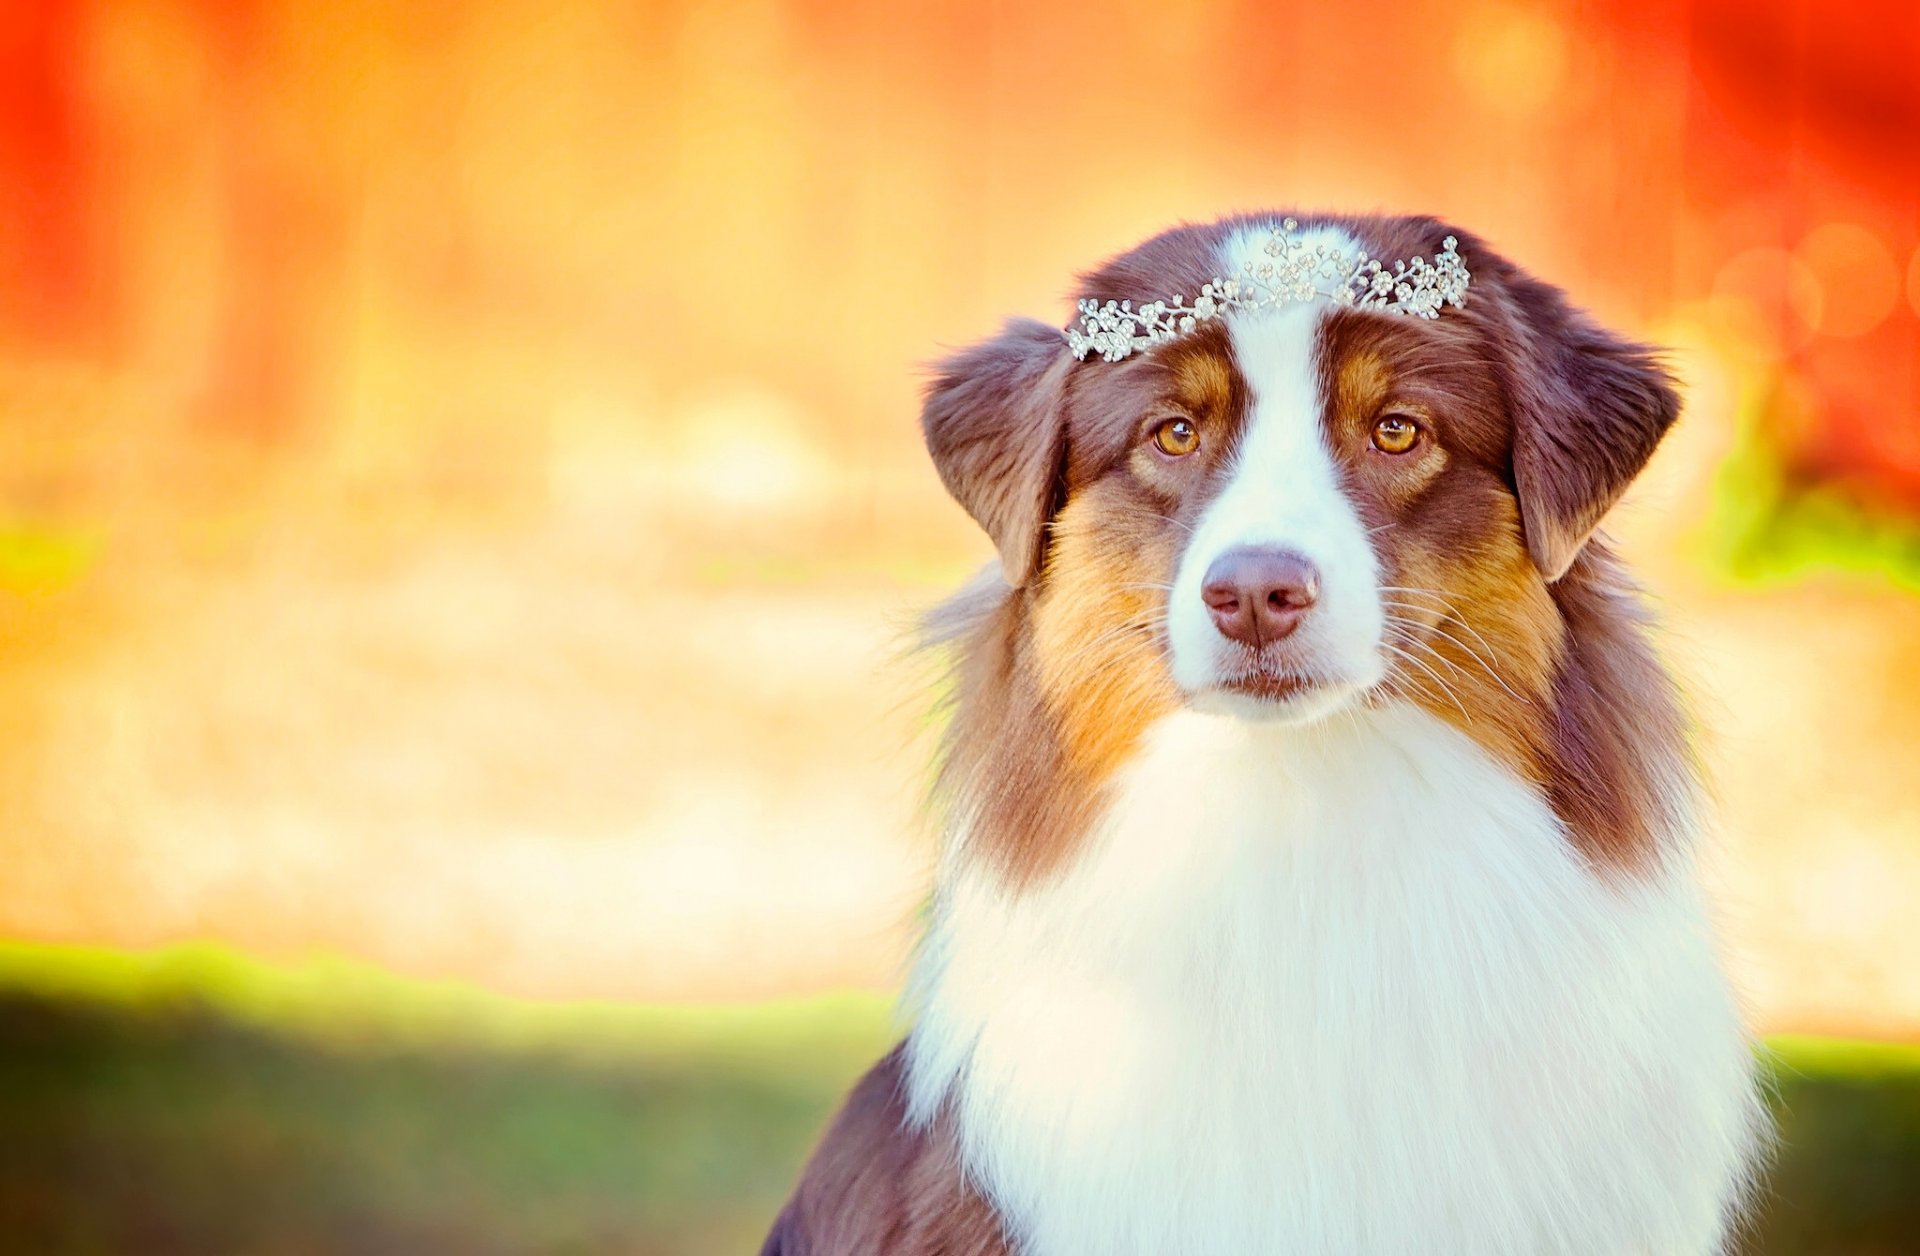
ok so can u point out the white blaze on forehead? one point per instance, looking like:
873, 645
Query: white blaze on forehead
1284, 490
1248, 246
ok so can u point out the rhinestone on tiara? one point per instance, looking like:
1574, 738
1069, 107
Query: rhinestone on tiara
1290, 271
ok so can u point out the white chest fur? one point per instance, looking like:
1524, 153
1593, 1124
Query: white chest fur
1336, 990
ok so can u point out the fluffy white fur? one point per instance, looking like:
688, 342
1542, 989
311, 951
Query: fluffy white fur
1331, 984
1338, 988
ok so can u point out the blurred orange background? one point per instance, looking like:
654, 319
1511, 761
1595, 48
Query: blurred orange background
461, 501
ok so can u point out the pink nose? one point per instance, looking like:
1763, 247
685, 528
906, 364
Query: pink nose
1257, 595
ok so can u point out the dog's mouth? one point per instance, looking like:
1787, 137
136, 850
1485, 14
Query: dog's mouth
1269, 685
1264, 688
1271, 675
1292, 681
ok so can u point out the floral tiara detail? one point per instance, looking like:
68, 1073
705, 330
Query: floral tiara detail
1291, 271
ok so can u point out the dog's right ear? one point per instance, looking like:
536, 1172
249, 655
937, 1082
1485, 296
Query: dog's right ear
995, 423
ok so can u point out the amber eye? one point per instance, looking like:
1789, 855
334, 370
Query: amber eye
1395, 434
1176, 437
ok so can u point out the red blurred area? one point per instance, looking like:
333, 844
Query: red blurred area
211, 193
1804, 118
54, 275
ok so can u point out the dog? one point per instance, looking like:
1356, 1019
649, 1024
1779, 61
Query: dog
1319, 819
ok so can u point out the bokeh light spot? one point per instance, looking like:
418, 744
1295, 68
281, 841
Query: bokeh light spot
1768, 296
745, 449
1512, 59
1858, 278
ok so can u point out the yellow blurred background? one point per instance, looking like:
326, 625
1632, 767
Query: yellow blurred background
461, 503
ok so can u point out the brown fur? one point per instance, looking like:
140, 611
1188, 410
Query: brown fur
989, 423
1508, 620
878, 1186
1470, 620
1543, 675
1060, 679
1539, 420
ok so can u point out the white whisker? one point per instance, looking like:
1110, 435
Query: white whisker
1444, 687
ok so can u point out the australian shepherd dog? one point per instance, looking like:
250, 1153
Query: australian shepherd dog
1319, 821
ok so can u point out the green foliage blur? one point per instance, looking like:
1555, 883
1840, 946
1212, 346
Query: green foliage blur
193, 1101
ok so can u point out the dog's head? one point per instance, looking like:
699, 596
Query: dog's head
1289, 509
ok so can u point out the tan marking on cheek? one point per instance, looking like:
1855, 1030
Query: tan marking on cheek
1098, 629
1481, 645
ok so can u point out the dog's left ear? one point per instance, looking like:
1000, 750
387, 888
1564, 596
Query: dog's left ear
1588, 411
995, 424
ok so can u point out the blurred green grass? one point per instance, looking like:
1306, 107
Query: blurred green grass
195, 1100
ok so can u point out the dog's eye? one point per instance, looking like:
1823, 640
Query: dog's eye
1395, 434
1176, 438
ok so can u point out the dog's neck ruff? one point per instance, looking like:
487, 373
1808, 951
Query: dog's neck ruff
1287, 270
1336, 989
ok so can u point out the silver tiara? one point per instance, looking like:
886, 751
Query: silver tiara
1290, 271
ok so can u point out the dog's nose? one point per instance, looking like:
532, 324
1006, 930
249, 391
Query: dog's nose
1257, 595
